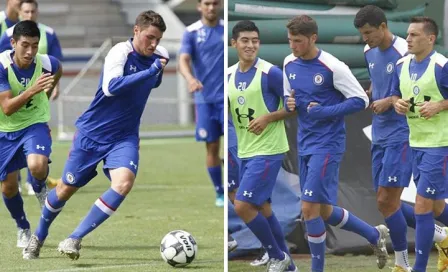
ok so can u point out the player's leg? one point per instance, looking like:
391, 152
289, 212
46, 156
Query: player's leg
208, 130
120, 165
28, 183
258, 176
233, 166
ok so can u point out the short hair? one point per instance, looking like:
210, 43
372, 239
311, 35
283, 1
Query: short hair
429, 25
28, 2
25, 28
302, 25
244, 26
150, 18
372, 15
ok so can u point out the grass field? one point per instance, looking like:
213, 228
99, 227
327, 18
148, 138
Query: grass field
172, 191
333, 263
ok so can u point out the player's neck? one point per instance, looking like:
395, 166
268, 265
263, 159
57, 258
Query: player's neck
210, 23
246, 65
11, 14
421, 56
387, 41
312, 54
19, 64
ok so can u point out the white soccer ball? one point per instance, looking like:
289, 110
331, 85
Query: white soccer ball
178, 248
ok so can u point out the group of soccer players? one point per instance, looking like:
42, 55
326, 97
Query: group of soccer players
408, 92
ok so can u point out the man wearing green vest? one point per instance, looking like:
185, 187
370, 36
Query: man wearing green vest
420, 91
26, 82
9, 16
255, 103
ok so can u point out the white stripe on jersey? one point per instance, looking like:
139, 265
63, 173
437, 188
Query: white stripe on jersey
195, 26
46, 63
401, 45
103, 207
114, 64
286, 85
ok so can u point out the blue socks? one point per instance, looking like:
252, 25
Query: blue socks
316, 240
51, 209
103, 208
423, 240
260, 227
37, 184
279, 237
216, 176
398, 230
15, 208
409, 214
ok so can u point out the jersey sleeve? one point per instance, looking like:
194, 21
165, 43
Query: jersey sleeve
443, 82
395, 87
55, 64
4, 83
187, 43
5, 43
54, 49
275, 81
345, 82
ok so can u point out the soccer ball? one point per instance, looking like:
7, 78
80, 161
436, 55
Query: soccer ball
178, 248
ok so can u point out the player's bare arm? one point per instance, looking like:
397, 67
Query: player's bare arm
429, 109
258, 124
401, 106
381, 105
56, 76
194, 84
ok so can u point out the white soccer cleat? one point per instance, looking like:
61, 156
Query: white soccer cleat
42, 196
23, 237
32, 250
231, 243
275, 265
29, 189
262, 259
70, 247
380, 249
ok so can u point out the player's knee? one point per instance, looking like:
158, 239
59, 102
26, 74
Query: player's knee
245, 210
64, 191
232, 197
439, 206
423, 205
38, 169
10, 189
309, 210
123, 186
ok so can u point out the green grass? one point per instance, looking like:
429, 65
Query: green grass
347, 263
172, 191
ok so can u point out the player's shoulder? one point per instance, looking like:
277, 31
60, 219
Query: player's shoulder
400, 45
46, 28
5, 59
403, 59
288, 59
232, 68
268, 68
162, 52
121, 49
48, 62
367, 48
331, 62
439, 59
9, 31
195, 26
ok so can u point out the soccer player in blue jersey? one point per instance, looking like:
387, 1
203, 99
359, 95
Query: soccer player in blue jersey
10, 16
323, 90
203, 47
108, 131
26, 81
391, 154
233, 172
420, 91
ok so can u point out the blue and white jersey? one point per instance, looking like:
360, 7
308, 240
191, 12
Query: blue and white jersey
205, 45
388, 128
329, 82
125, 84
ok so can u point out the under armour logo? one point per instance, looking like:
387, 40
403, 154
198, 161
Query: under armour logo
392, 179
248, 194
430, 191
93, 225
46, 219
249, 115
231, 183
315, 256
40, 147
308, 193
445, 251
292, 76
414, 104
419, 252
269, 246
371, 65
133, 164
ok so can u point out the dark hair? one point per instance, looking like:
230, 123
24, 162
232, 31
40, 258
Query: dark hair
25, 28
372, 15
429, 25
28, 2
150, 18
302, 25
243, 26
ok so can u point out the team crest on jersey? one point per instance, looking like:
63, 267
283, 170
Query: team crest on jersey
389, 67
70, 178
416, 90
318, 79
241, 100
202, 132
201, 34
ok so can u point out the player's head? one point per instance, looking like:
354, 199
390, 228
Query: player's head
371, 22
209, 9
25, 41
422, 35
14, 4
148, 31
28, 10
246, 40
302, 34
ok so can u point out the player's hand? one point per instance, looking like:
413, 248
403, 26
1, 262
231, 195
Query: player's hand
163, 62
369, 93
44, 82
194, 85
257, 125
402, 106
291, 101
381, 105
429, 109
312, 104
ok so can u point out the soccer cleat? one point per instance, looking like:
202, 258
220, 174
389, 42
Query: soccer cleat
442, 247
23, 237
275, 265
219, 201
380, 248
231, 243
32, 250
296, 269
70, 247
19, 184
398, 268
262, 259
42, 196
51, 182
29, 189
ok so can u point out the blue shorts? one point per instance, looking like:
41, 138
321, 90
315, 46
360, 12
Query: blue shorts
319, 177
391, 165
16, 146
85, 155
209, 122
258, 177
431, 175
233, 169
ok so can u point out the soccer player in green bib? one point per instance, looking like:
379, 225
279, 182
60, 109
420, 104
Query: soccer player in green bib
26, 82
9, 16
254, 91
419, 91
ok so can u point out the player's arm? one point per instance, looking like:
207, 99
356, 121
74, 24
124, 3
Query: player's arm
5, 42
345, 82
429, 109
289, 101
401, 106
55, 85
184, 66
